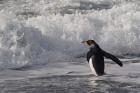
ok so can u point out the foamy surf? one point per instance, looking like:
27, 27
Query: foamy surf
51, 36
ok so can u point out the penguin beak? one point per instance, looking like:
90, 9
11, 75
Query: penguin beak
84, 42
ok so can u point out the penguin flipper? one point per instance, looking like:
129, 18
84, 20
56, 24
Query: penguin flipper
112, 57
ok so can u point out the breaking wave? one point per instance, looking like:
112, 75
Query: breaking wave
52, 36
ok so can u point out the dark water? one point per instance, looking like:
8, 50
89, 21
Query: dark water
67, 84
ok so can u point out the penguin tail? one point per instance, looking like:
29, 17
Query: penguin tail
112, 57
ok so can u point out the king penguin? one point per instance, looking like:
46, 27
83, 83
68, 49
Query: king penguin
95, 57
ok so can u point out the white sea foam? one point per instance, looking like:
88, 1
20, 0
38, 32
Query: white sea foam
55, 37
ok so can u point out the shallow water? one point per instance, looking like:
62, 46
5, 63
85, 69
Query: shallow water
67, 84
72, 77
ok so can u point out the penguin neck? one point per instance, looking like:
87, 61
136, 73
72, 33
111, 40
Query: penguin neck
92, 46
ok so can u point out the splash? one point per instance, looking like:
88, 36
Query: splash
49, 37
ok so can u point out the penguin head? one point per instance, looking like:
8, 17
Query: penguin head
89, 43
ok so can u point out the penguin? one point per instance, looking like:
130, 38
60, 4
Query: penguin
95, 57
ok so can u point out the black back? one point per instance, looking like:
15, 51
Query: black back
97, 59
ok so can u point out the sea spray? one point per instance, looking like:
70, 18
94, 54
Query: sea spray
51, 37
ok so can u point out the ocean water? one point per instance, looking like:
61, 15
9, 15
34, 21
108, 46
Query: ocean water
40, 37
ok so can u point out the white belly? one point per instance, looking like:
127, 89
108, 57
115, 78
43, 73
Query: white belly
92, 68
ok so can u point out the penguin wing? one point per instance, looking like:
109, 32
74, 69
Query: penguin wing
112, 57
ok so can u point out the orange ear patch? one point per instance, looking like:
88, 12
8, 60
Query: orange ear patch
89, 42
